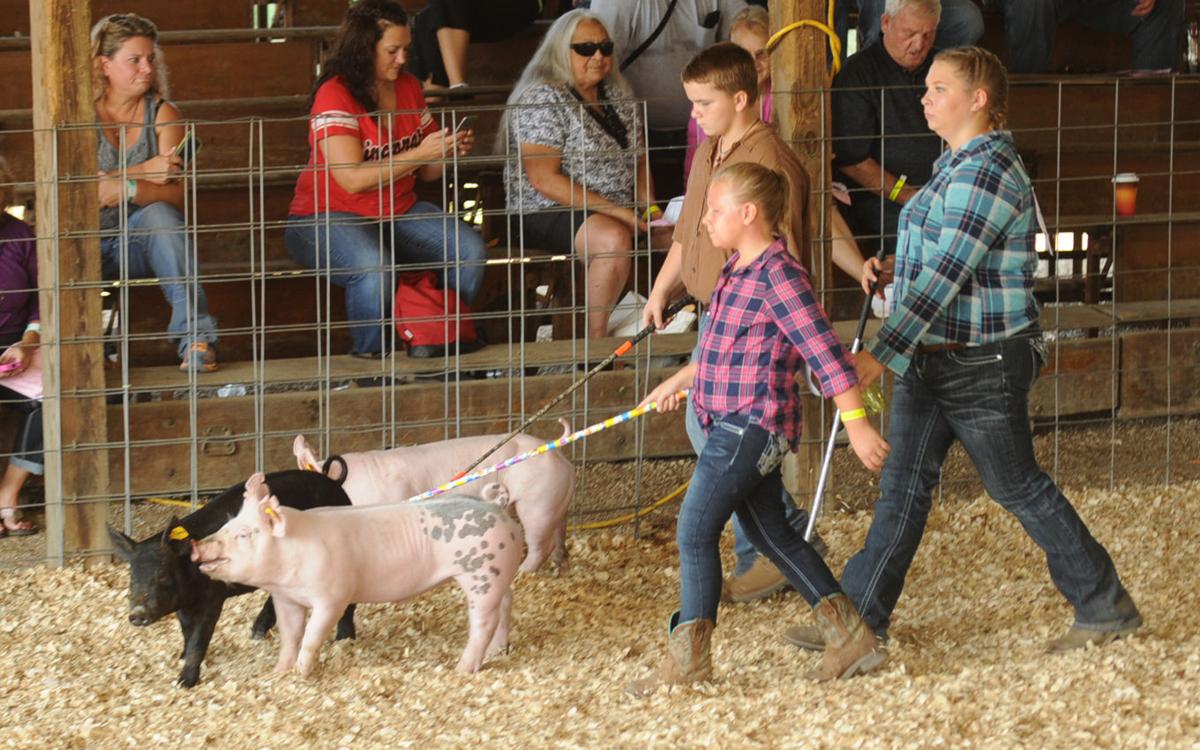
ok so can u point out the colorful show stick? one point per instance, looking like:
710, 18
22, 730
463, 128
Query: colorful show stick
545, 448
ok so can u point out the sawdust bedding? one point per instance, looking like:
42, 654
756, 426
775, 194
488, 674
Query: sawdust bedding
965, 669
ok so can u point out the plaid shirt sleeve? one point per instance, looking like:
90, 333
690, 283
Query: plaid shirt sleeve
803, 321
977, 207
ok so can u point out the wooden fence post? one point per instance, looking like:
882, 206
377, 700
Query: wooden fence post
69, 254
800, 79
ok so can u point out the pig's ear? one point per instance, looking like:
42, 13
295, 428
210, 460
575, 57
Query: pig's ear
173, 533
306, 459
270, 517
122, 545
256, 486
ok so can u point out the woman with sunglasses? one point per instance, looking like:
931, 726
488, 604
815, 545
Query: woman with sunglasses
577, 168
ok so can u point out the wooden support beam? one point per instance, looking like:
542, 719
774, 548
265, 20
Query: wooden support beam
801, 92
67, 214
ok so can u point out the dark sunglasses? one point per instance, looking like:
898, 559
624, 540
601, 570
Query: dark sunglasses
587, 49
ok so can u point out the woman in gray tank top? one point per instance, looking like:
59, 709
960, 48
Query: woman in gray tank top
141, 193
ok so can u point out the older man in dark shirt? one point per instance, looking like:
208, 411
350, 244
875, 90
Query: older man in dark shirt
883, 149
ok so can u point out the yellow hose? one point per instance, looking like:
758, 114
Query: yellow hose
169, 501
630, 516
835, 44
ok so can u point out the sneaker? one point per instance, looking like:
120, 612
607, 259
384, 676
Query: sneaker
199, 358
762, 580
1077, 637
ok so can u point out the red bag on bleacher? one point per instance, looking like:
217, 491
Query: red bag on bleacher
426, 317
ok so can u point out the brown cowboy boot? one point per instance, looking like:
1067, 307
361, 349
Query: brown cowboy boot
687, 658
850, 646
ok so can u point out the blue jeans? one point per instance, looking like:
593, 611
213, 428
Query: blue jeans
158, 247
978, 396
738, 473
961, 23
367, 251
743, 549
1031, 24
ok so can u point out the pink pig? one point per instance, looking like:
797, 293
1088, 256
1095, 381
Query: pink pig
324, 559
540, 487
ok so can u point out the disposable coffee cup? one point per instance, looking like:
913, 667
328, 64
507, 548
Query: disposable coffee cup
1125, 187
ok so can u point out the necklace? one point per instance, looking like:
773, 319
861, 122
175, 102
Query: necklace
721, 152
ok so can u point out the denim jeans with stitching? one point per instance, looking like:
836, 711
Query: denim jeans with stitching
978, 396
157, 246
738, 473
358, 249
1031, 26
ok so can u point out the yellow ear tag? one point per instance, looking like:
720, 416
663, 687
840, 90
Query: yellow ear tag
179, 533
271, 512
310, 467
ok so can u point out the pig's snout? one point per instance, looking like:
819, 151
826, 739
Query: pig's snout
207, 554
139, 616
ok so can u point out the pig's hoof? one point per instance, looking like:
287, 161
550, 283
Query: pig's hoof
497, 650
188, 678
258, 635
467, 667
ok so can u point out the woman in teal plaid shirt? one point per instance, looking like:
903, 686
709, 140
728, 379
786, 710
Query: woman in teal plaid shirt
965, 346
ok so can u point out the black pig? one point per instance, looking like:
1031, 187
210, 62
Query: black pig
163, 579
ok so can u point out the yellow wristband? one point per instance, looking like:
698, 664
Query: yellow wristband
897, 187
853, 414
650, 211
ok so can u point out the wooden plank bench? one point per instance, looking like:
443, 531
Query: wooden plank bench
531, 355
1082, 377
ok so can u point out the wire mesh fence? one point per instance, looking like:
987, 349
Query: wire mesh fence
1121, 294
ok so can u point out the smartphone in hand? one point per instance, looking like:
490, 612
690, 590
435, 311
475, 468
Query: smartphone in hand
188, 147
466, 123
9, 367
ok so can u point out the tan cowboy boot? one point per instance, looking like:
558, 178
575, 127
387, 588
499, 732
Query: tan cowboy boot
762, 580
687, 658
850, 646
1077, 638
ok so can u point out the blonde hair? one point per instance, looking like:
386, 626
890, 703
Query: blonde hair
109, 34
981, 69
766, 188
752, 17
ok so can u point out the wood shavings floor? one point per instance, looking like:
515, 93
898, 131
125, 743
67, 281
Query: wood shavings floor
965, 670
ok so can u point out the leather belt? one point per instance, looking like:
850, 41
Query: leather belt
939, 348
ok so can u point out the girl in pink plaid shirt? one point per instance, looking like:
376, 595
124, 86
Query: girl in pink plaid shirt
765, 319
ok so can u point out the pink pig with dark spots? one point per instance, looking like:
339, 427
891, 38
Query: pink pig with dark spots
326, 558
540, 488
